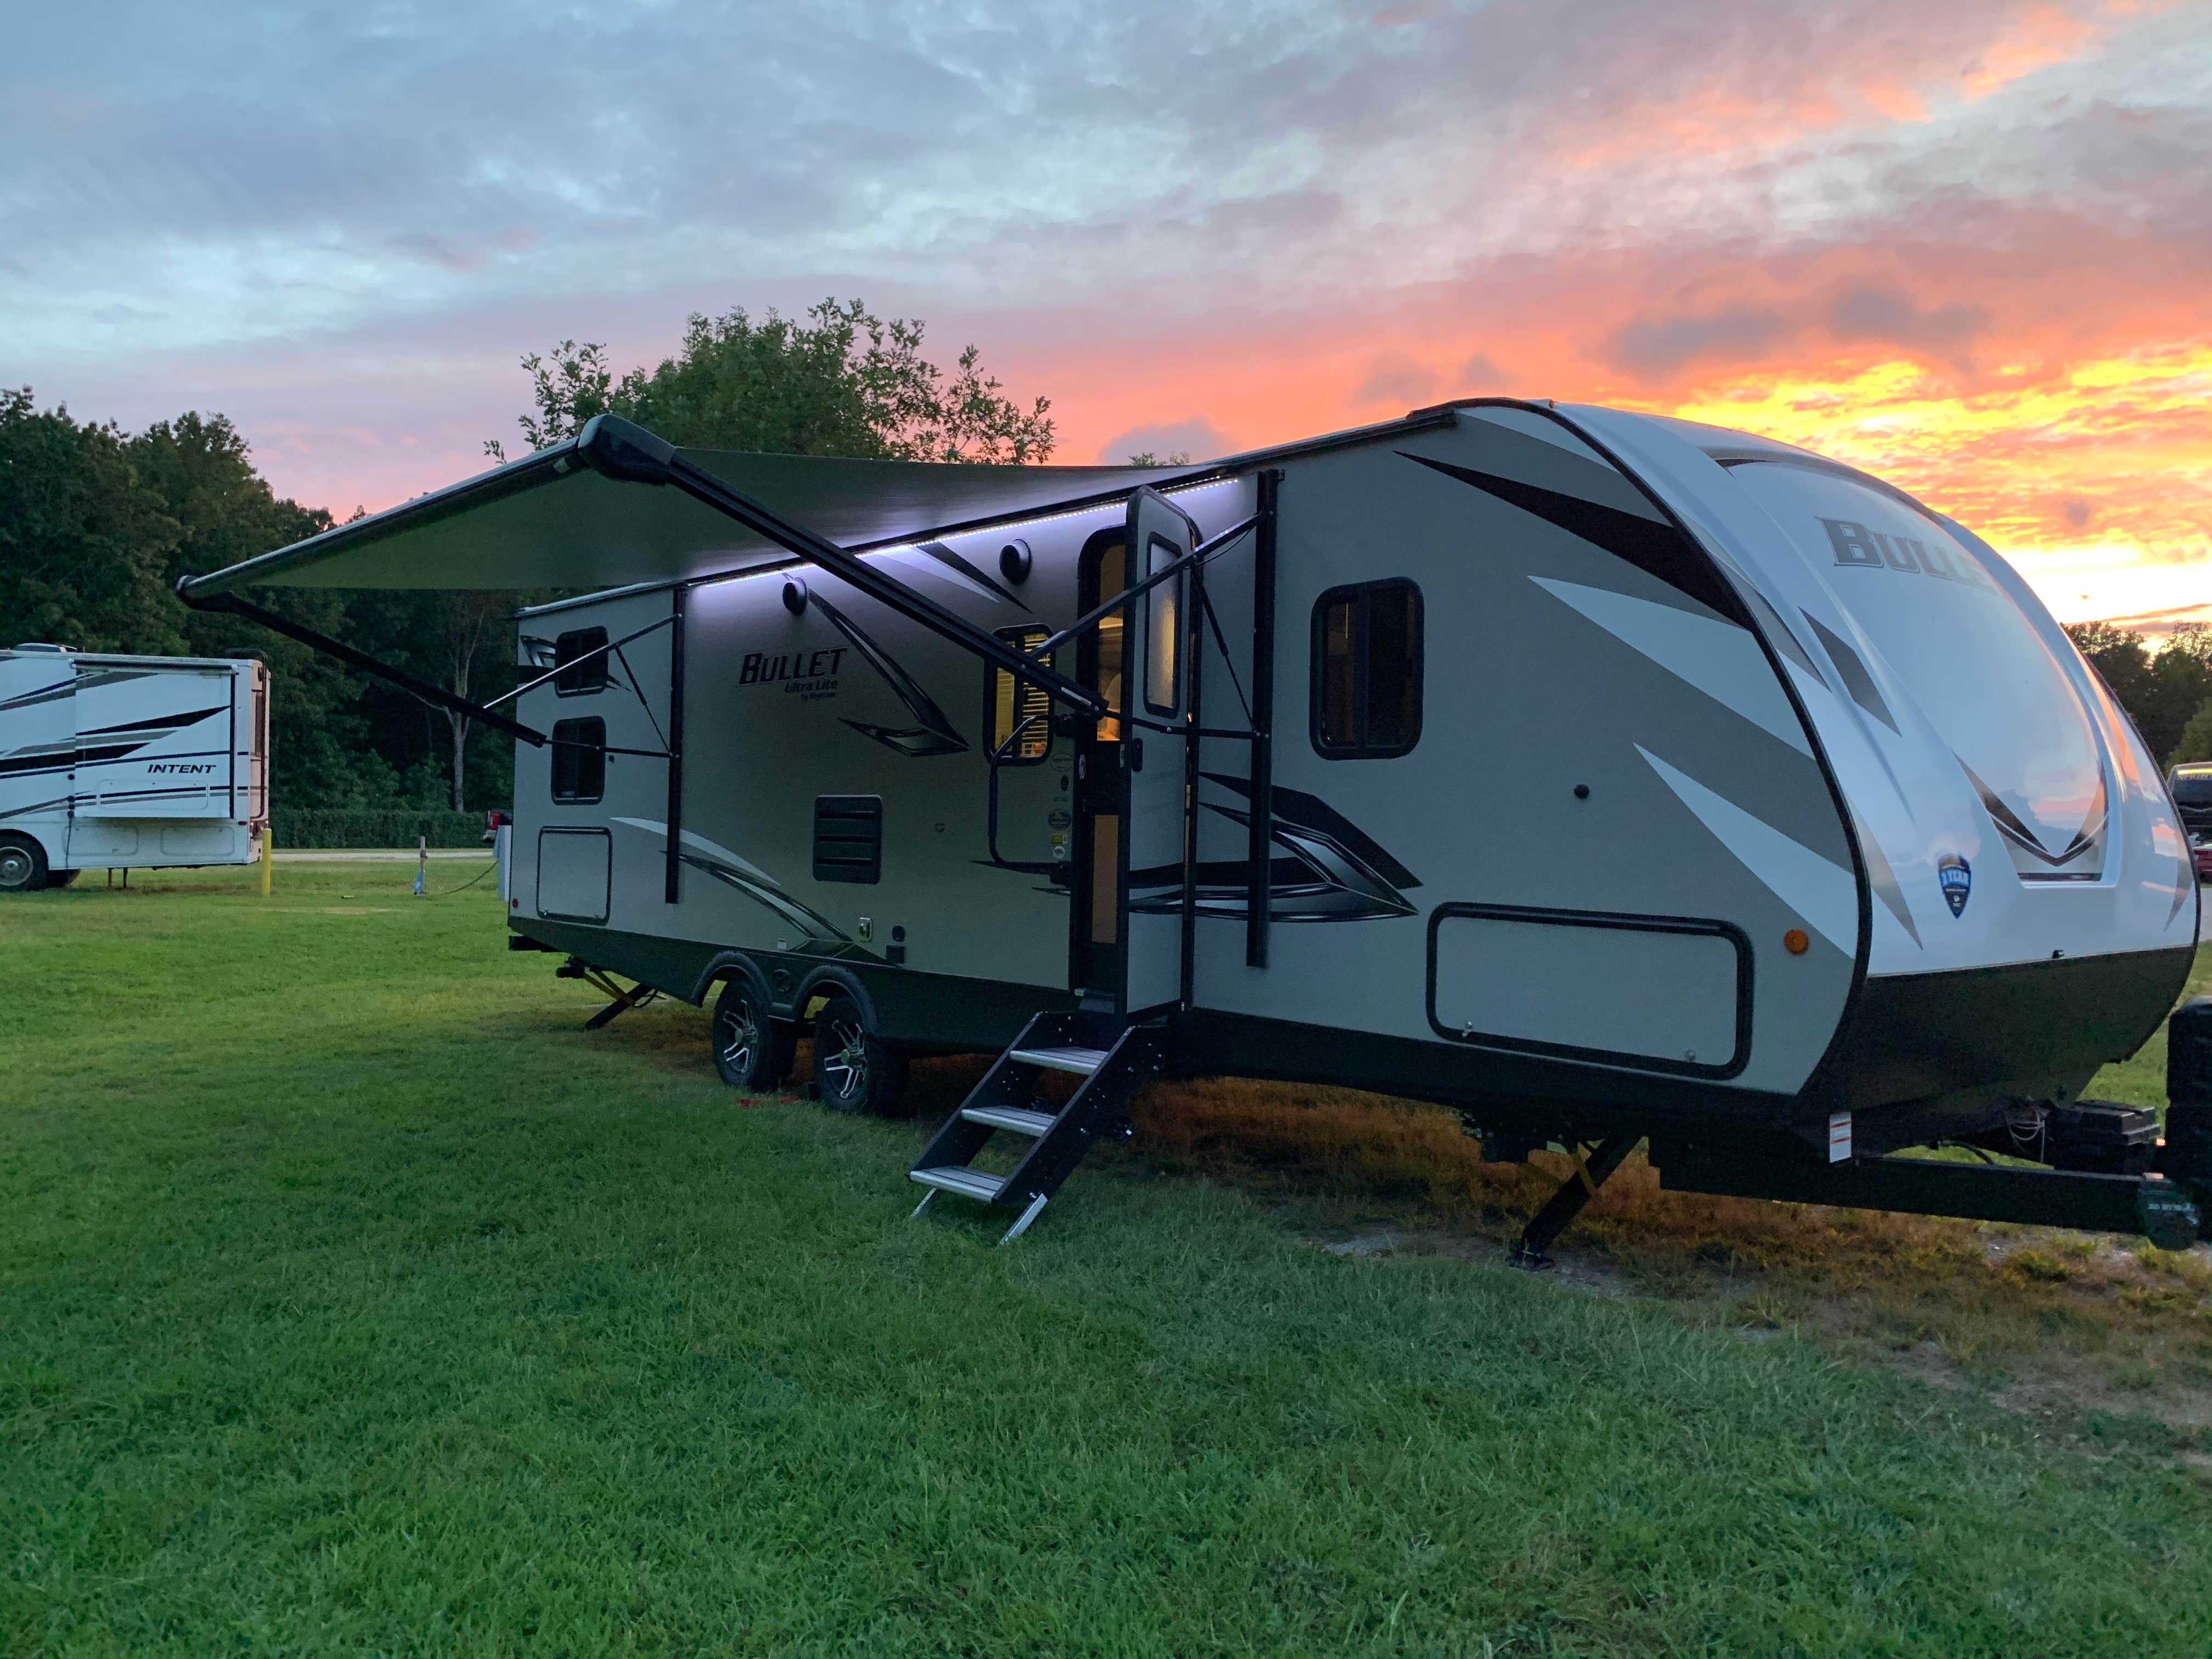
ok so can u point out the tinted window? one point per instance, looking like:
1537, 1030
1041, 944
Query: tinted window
2193, 788
580, 760
579, 671
1367, 671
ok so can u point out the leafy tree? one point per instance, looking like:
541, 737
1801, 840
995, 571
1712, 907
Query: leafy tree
2196, 743
841, 381
2163, 693
84, 545
2117, 653
2180, 683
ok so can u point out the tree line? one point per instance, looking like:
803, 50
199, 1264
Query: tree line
97, 523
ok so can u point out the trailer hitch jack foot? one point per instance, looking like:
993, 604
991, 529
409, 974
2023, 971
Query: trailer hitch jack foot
1531, 1252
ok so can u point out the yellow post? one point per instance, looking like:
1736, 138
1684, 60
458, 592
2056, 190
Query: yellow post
268, 856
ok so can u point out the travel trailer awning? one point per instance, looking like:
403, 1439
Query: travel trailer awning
550, 520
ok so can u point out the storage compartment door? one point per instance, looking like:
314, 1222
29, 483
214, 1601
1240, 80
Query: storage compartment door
1657, 993
574, 869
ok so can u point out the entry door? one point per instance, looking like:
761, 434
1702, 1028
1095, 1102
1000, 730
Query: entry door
1157, 534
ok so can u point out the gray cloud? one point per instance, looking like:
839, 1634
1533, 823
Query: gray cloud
1651, 347
1395, 378
1197, 437
1893, 318
1481, 374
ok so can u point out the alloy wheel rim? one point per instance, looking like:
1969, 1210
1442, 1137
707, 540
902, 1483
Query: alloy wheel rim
14, 867
740, 1034
846, 1065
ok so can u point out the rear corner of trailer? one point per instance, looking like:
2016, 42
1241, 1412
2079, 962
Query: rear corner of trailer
2035, 901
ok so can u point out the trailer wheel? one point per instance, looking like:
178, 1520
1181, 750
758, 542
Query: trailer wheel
854, 1071
22, 865
751, 1050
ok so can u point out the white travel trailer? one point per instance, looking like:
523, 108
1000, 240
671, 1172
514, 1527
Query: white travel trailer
1605, 776
129, 762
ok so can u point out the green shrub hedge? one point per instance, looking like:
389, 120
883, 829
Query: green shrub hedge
299, 828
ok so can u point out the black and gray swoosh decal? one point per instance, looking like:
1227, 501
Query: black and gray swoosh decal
1656, 547
934, 735
70, 686
1848, 664
964, 572
2010, 826
1328, 870
171, 722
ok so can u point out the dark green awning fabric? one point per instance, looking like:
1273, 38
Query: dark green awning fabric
547, 521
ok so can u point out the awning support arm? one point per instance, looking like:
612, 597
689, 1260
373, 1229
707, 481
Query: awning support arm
1172, 567
622, 450
345, 654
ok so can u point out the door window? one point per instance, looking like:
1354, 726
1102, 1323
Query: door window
1164, 631
1367, 671
1100, 652
580, 760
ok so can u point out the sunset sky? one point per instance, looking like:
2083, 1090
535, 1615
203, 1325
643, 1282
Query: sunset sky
1968, 245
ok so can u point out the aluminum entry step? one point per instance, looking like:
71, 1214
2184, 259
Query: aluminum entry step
1081, 1061
1019, 1120
959, 1178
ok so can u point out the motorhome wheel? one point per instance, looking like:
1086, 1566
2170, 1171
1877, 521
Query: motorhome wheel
22, 865
751, 1050
854, 1071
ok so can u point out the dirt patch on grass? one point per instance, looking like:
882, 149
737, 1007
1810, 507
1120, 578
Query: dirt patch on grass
2091, 1335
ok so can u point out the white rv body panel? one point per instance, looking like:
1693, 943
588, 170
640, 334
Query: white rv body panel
111, 761
1962, 679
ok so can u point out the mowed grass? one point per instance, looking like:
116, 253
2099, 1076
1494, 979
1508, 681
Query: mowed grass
352, 1299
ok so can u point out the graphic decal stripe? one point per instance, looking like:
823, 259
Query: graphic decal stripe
1848, 664
1719, 659
935, 734
178, 721
1825, 895
1657, 549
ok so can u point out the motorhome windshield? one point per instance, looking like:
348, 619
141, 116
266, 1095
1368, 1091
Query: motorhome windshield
1973, 664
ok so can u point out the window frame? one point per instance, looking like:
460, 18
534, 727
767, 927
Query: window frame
1024, 639
569, 738
1317, 691
566, 686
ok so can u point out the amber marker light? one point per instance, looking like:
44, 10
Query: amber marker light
1794, 941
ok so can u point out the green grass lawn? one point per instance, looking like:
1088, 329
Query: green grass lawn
353, 1299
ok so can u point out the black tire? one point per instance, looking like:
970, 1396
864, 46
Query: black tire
22, 865
854, 1071
752, 1048
60, 879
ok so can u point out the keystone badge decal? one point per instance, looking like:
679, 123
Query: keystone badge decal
1956, 878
